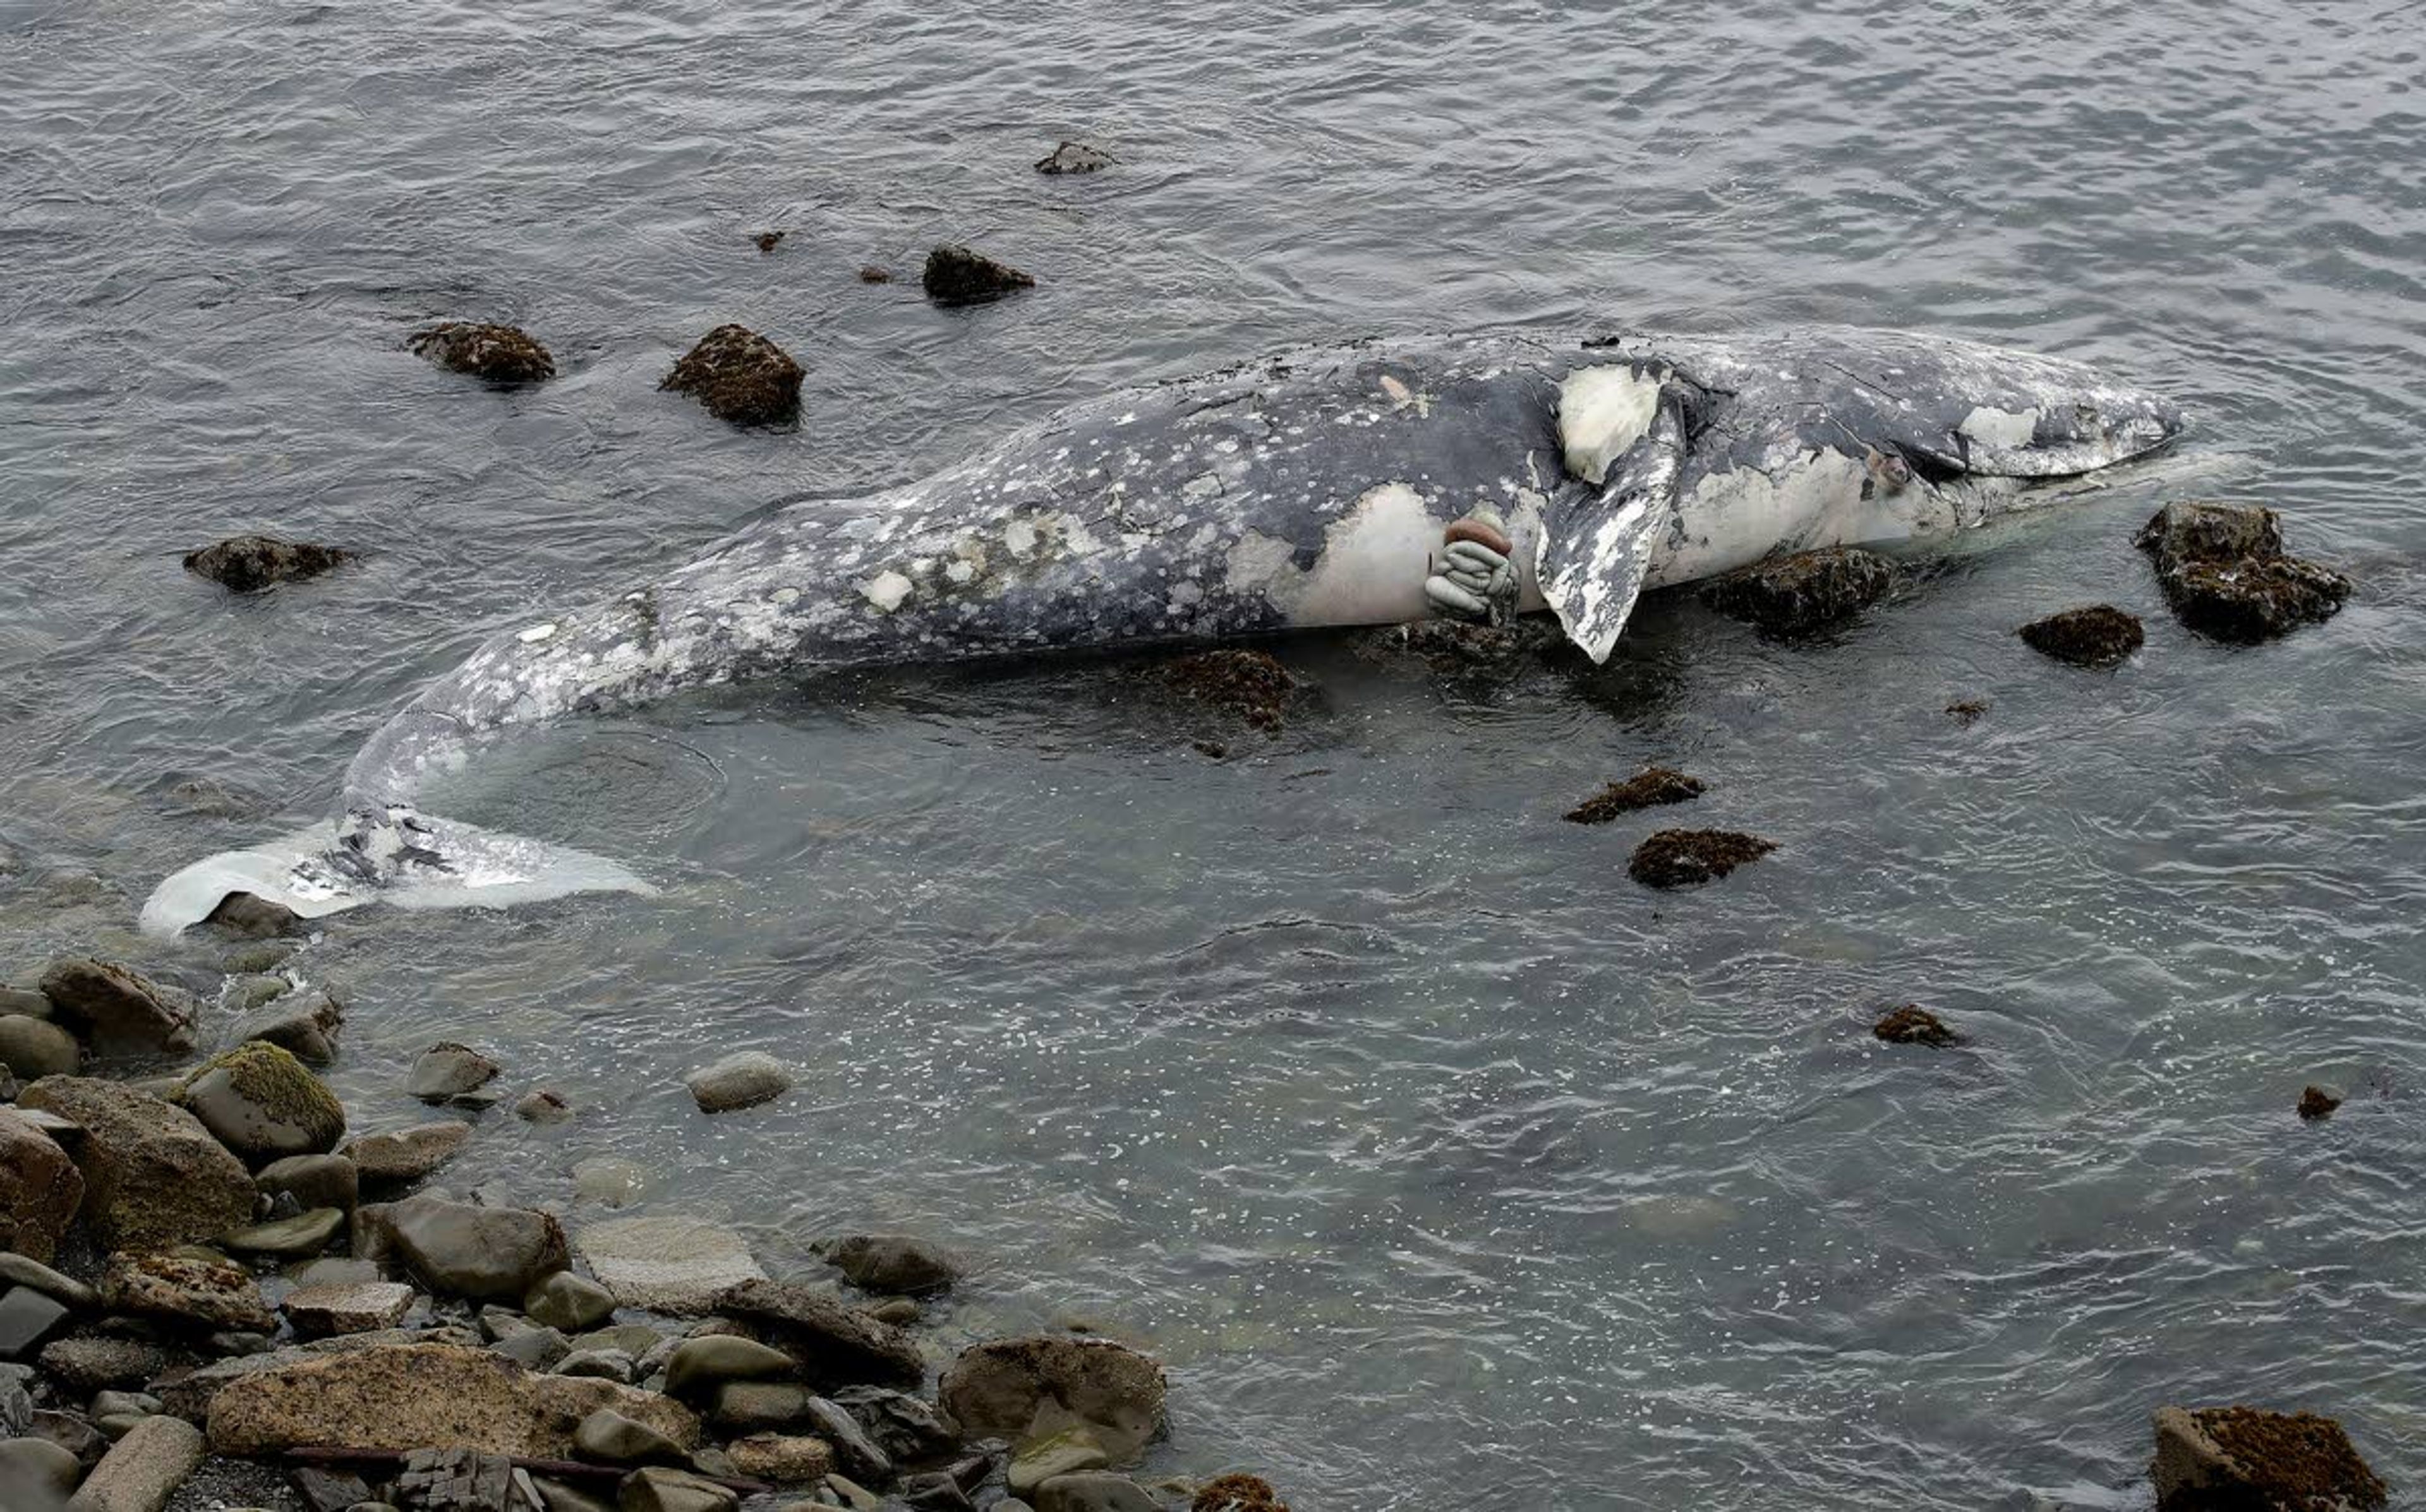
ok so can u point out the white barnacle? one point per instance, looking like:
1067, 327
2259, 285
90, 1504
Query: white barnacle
536, 634
886, 590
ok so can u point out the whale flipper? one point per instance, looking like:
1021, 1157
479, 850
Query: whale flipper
1596, 545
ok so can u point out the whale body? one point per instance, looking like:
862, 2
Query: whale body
1309, 490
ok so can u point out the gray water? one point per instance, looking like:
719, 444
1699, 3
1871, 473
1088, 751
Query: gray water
1446, 1168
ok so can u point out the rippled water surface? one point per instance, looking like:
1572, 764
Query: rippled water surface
1446, 1167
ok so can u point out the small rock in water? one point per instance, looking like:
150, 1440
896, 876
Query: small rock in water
1075, 157
1251, 684
870, 273
2315, 1102
1688, 857
1648, 788
247, 564
35, 1048
245, 916
403, 1157
1237, 1493
741, 1079
448, 1069
483, 1253
1913, 1024
2098, 637
303, 1023
1967, 711
544, 1106
768, 240
117, 1010
2225, 573
1808, 591
503, 355
740, 377
2249, 1459
894, 1262
956, 275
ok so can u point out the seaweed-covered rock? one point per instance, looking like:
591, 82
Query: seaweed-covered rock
1648, 788
40, 1188
2098, 637
740, 377
998, 1388
957, 275
1250, 684
264, 1103
117, 1010
2225, 573
2249, 1459
2315, 1102
1967, 711
247, 564
1237, 1493
1913, 1024
153, 1176
768, 240
1075, 157
1687, 858
503, 355
1802, 593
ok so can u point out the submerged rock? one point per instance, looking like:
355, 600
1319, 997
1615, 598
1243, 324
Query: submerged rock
1799, 594
894, 1262
667, 1263
2315, 1102
447, 1069
741, 1079
303, 1024
1967, 711
40, 1188
956, 275
2098, 637
768, 240
247, 564
2249, 1459
1075, 157
1687, 858
117, 1010
153, 1176
245, 916
870, 273
998, 1388
740, 377
2225, 573
1648, 788
503, 355
402, 1157
1913, 1024
1251, 684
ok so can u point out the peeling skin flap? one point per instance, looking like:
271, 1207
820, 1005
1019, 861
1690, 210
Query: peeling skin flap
1596, 547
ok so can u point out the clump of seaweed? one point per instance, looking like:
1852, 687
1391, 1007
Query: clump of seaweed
1646, 789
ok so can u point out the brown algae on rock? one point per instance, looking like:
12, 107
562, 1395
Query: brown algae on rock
740, 377
957, 275
1688, 857
2098, 637
2315, 1102
2250, 1459
247, 564
1913, 1024
1804, 593
1251, 684
2225, 573
1646, 789
504, 355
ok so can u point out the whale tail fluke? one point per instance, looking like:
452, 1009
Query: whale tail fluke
449, 865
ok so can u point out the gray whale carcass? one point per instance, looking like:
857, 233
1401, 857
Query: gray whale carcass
1312, 490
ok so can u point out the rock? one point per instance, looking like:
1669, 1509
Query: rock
1075, 157
855, 1454
608, 1182
1804, 593
247, 564
781, 1458
2248, 1460
503, 355
2315, 1102
1648, 788
153, 1176
297, 1238
124, 1403
447, 1069
403, 1396
1038, 1460
35, 1048
20, 1269
264, 1105
741, 377
999, 1390
116, 1011
337, 1308
141, 1470
490, 1253
1967, 711
539, 1349
656, 1488
607, 1437
1251, 684
39, 1466
456, 1480
893, 1262
936, 1492
899, 1311
544, 1106
186, 1290
304, 1024
956, 275
699, 1366
103, 1361
852, 1495
767, 241
403, 1157
673, 1264
1093, 1490
606, 1365
1913, 1024
907, 1429
741, 1079
1237, 1493
26, 1318
73, 1434
834, 1344
2098, 637
2225, 574
564, 1300
313, 1180
870, 273
243, 914
1688, 857
748, 1407
40, 1188
326, 1491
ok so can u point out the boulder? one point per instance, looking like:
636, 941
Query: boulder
247, 564
1913, 1024
118, 1011
783, 1459
246, 915
447, 1069
330, 1309
186, 1290
957, 275
658, 1488
399, 1397
303, 1023
503, 355
299, 1237
2098, 637
741, 377
907, 1429
2225, 574
35, 1048
402, 1157
40, 1188
1016, 1388
667, 1263
489, 1253
894, 1263
1093, 1490
697, 1367
264, 1105
741, 1079
837, 1345
2249, 1459
1804, 593
28, 1318
142, 1469
1688, 857
1075, 157
564, 1300
1648, 788
313, 1180
153, 1176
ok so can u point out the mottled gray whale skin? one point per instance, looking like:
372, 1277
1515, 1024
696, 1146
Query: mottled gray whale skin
1309, 490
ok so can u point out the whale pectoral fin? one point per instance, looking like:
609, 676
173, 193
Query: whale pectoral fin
1596, 545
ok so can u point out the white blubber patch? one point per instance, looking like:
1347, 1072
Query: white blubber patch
2001, 428
886, 590
535, 634
1602, 412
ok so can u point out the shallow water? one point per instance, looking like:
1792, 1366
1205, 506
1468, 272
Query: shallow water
1446, 1167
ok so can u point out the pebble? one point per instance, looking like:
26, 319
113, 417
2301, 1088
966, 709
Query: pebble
654, 1488
568, 1302
21, 1270
607, 1437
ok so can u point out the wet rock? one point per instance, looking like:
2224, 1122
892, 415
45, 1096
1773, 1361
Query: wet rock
488, 1253
303, 1024
404, 1396
899, 1311
503, 355
1038, 1460
327, 1491
447, 1069
153, 1176
336, 1309
40, 1188
699, 1366
313, 1181
607, 1437
607, 1181
1648, 788
403, 1157
38, 1466
782, 1459
1462, 648
102, 1362
534, 1348
35, 1048
297, 1238
244, 916
186, 1290
1913, 1024
456, 1480
143, 1468
740, 377
656, 1488
835, 1344
26, 1318
767, 241
568, 1302
17, 1268
894, 1262
936, 1492
957, 275
2315, 1102
751, 1407
1075, 157
2227, 576
741, 1079
2098, 637
667, 1263
2248, 1460
247, 564
264, 1105
544, 1106
1237, 1493
998, 1390
1251, 684
118, 1011
1093, 1490
1967, 711
1688, 857
870, 273
907, 1429
854, 1452
1802, 594
606, 1365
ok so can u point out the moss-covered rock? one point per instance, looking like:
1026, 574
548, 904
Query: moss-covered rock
153, 1176
957, 275
1646, 789
247, 564
2098, 637
1688, 857
740, 377
2250, 1459
1913, 1024
503, 355
262, 1103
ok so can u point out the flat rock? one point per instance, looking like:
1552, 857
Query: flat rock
491, 1253
957, 275
2098, 638
750, 1407
854, 1452
699, 1366
910, 1431
34, 1048
38, 1464
26, 1318
2225, 573
1093, 1490
40, 1188
1805, 593
299, 1237
507, 356
142, 1469
20, 1269
1075, 157
153, 1176
401, 1156
657, 1489
117, 1010
837, 1344
313, 1180
668, 1263
185, 1289
1038, 1460
264, 1105
782, 1459
447, 1069
332, 1308
2249, 1459
247, 564
1014, 1387
741, 376
1688, 857
103, 1362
